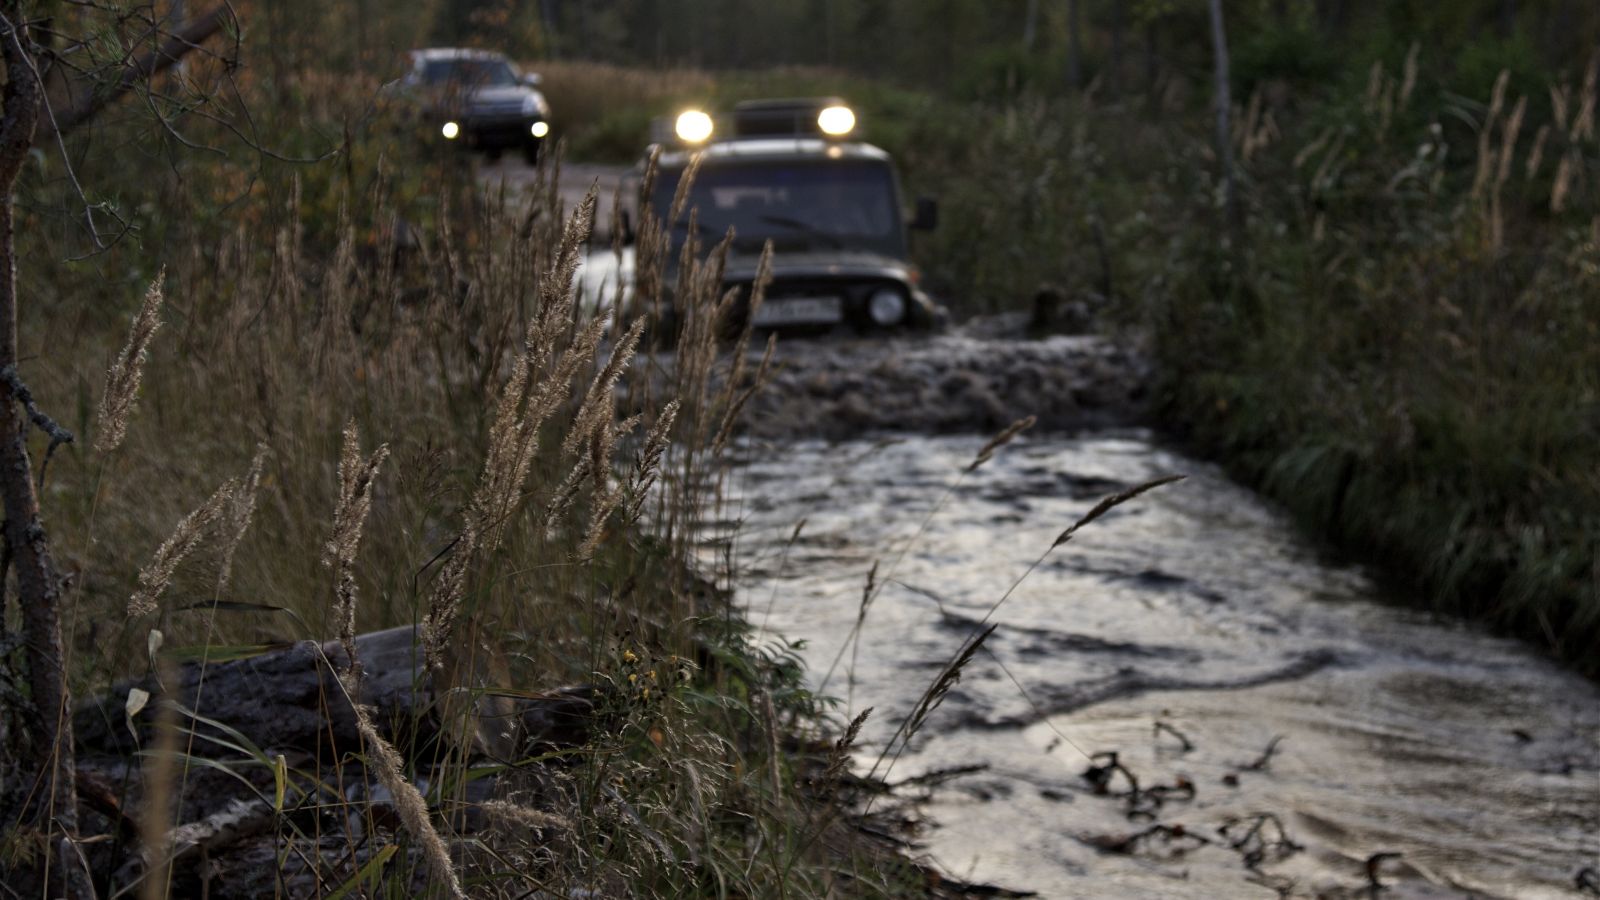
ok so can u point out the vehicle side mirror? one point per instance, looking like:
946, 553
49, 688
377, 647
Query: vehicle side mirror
927, 217
531, 79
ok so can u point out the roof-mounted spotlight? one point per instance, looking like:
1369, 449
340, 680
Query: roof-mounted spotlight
836, 121
693, 127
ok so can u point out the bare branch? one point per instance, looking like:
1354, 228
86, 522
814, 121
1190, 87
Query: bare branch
23, 95
146, 66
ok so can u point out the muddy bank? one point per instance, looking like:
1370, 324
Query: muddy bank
977, 377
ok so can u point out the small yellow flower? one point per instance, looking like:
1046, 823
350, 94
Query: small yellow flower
652, 674
632, 678
627, 656
645, 693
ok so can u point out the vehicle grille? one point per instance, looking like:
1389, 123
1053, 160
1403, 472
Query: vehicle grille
497, 110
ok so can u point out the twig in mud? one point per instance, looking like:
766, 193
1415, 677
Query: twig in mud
1099, 774
1265, 759
1147, 804
1253, 844
936, 777
1183, 739
1127, 843
1374, 865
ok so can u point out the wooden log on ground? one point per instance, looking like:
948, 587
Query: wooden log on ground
292, 699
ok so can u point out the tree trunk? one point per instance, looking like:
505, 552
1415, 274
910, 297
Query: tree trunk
1075, 44
1030, 25
1151, 63
1508, 19
1114, 64
45, 780
291, 698
1224, 101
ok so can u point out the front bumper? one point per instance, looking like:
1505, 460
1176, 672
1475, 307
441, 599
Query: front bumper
813, 303
495, 133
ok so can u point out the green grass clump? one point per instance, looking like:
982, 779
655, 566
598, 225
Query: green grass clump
1401, 345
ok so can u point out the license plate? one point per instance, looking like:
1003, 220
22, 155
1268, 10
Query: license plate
800, 311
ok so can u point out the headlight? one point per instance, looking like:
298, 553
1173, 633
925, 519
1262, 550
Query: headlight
887, 306
450, 131
836, 121
693, 126
540, 129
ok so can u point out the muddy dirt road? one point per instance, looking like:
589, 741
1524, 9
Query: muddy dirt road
1196, 607
576, 178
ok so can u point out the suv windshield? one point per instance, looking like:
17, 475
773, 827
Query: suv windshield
468, 72
801, 205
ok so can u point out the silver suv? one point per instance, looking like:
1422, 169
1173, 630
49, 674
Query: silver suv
477, 99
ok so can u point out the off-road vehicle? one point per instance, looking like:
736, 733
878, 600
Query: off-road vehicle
791, 172
475, 99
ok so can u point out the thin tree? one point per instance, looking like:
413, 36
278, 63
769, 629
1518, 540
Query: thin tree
1119, 27
1075, 44
50, 794
1224, 103
38, 793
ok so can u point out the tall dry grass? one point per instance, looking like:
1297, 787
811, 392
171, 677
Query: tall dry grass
529, 496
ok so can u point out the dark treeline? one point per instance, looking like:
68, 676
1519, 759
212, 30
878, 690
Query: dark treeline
990, 48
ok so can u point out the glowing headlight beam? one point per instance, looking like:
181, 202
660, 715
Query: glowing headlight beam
836, 121
540, 129
693, 126
450, 131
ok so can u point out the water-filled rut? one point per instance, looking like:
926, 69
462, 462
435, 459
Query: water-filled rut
1193, 606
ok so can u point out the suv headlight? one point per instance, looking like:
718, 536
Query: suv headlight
887, 306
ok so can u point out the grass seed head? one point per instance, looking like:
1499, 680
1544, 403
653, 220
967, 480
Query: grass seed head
190, 531
1005, 437
127, 371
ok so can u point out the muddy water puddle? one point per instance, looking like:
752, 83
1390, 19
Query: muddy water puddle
1193, 606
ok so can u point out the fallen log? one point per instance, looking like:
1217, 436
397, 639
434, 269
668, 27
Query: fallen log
292, 699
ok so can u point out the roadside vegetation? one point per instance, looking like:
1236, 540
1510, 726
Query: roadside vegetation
320, 385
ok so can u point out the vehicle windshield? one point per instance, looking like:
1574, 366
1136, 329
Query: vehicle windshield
469, 72
822, 205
